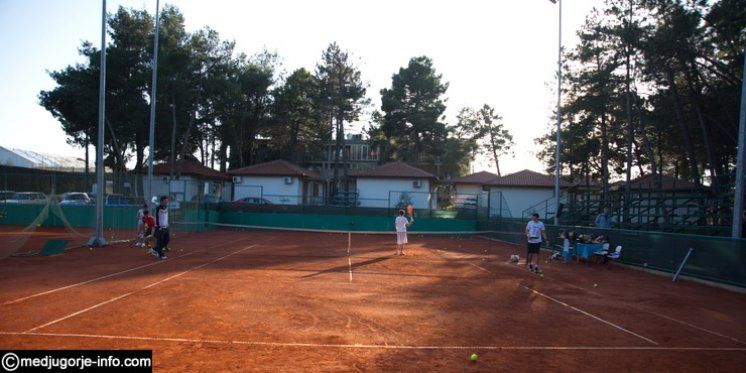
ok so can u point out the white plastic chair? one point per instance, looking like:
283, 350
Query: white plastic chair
607, 255
616, 254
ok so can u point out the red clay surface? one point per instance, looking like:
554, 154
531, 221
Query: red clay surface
18, 240
290, 301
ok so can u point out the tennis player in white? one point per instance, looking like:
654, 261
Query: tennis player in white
401, 224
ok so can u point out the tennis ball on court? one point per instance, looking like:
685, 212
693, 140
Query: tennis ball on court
473, 357
541, 274
595, 285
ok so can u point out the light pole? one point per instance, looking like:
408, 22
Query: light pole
740, 162
98, 240
557, 159
151, 141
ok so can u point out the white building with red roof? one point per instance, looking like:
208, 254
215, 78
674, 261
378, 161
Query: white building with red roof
193, 182
278, 182
524, 191
473, 189
394, 185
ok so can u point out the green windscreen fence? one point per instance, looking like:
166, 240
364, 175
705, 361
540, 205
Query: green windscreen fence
713, 258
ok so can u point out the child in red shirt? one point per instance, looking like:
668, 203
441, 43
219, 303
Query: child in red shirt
149, 223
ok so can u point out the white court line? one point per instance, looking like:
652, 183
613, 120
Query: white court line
106, 276
695, 326
349, 261
589, 314
579, 310
88, 281
369, 346
645, 310
132, 292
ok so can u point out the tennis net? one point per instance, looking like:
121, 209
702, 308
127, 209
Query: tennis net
342, 242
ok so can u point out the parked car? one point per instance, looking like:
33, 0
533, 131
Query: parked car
6, 194
252, 201
75, 199
31, 198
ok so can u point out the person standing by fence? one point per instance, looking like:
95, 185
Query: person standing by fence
603, 220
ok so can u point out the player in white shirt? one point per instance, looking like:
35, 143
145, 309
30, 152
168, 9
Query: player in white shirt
534, 232
140, 226
401, 224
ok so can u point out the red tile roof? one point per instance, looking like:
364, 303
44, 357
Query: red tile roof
189, 167
482, 177
649, 182
276, 168
394, 170
527, 178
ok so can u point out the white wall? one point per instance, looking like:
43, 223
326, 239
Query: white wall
474, 189
519, 199
185, 188
227, 192
463, 190
273, 188
374, 192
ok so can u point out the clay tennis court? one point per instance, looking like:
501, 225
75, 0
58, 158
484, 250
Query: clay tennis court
298, 301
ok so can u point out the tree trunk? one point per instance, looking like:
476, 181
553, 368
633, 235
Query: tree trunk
187, 136
715, 166
646, 142
223, 156
337, 146
212, 152
679, 110
120, 165
494, 151
292, 152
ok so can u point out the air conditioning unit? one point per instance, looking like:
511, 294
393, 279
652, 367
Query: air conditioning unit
417, 184
237, 179
288, 180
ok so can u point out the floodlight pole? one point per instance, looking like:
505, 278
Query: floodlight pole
151, 141
557, 160
738, 203
98, 240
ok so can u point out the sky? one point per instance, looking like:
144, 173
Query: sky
497, 52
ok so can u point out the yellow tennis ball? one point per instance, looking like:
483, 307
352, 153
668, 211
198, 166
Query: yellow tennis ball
473, 357
595, 285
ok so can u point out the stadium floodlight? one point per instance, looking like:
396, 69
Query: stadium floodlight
151, 140
557, 158
98, 240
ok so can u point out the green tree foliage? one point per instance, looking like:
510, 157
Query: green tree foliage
686, 62
298, 129
483, 132
342, 96
413, 113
